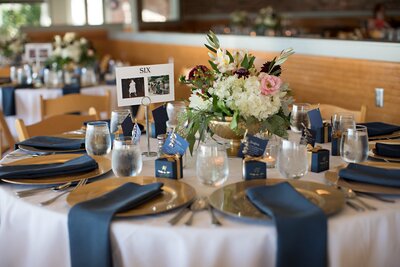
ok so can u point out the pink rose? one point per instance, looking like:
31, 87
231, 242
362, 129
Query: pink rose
269, 83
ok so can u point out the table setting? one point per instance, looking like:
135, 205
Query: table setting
298, 191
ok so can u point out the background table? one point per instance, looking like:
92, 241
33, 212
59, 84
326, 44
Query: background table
27, 102
31, 235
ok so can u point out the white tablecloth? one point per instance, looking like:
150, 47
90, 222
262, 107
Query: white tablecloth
27, 102
31, 235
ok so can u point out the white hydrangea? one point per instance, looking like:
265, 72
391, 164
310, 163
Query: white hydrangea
198, 103
244, 95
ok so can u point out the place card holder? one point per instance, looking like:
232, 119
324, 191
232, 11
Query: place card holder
318, 159
169, 166
254, 168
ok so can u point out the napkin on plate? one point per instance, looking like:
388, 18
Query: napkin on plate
89, 221
77, 165
371, 175
387, 150
380, 128
301, 225
55, 143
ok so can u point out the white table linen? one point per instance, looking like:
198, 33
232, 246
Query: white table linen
27, 102
31, 235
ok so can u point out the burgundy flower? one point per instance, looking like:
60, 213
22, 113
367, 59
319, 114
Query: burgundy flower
198, 70
276, 70
242, 72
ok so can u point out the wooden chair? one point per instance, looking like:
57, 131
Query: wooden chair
5, 132
75, 103
328, 110
53, 125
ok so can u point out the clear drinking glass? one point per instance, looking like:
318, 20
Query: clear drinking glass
117, 118
292, 160
212, 164
354, 144
174, 110
346, 121
126, 157
98, 139
299, 116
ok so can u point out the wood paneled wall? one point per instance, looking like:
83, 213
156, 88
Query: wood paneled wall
348, 83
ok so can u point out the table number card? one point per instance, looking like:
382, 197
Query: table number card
153, 81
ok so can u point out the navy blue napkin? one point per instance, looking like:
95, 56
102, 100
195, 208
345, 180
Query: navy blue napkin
301, 225
77, 165
55, 143
371, 175
71, 89
380, 128
387, 150
88, 222
8, 98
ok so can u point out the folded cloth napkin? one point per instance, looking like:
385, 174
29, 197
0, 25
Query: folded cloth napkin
372, 175
387, 150
71, 89
88, 222
76, 165
380, 128
52, 142
301, 225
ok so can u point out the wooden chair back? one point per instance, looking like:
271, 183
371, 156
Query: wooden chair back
327, 112
53, 125
5, 132
75, 103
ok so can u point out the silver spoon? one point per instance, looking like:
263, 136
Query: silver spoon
199, 204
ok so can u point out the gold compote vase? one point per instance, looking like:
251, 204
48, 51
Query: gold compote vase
222, 129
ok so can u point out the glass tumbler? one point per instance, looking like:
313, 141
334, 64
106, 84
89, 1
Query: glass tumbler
117, 118
299, 116
98, 138
354, 144
126, 157
212, 164
292, 160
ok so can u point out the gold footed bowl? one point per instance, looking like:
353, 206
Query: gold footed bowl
223, 130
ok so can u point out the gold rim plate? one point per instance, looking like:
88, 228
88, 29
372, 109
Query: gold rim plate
103, 162
175, 194
332, 176
231, 199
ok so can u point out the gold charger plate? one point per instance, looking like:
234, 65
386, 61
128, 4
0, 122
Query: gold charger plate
231, 199
103, 162
175, 194
333, 177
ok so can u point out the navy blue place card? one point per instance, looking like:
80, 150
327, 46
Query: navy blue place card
315, 118
175, 144
160, 117
253, 147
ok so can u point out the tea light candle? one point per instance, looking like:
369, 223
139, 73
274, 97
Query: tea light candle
269, 158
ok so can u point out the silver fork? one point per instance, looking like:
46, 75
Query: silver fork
51, 200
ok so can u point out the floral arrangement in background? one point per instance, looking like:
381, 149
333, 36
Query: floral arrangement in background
239, 18
71, 51
266, 19
234, 88
11, 46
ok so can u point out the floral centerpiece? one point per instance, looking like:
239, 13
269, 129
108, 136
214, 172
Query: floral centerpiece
11, 46
266, 19
234, 90
71, 51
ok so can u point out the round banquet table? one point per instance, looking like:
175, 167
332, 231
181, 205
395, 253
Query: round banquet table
31, 235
